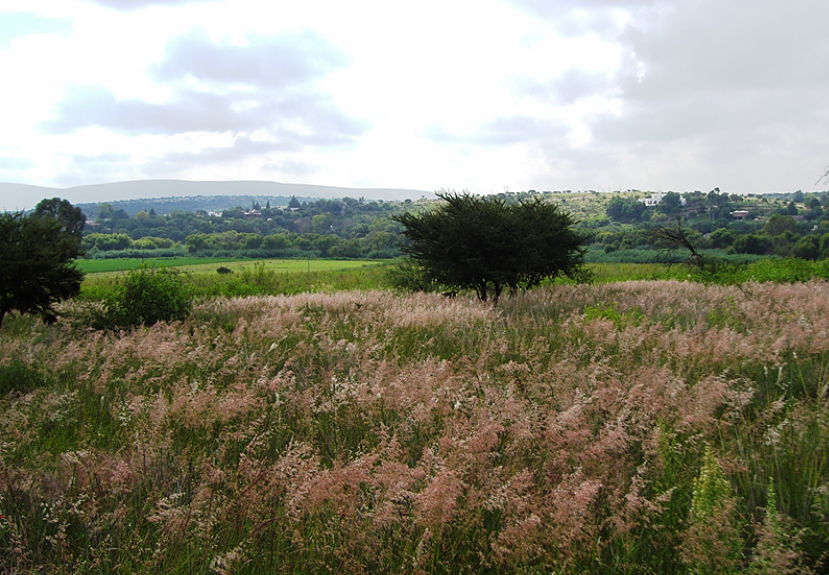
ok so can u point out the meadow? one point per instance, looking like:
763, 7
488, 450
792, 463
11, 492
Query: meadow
241, 277
646, 426
210, 265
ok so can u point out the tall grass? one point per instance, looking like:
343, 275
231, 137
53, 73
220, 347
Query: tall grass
650, 426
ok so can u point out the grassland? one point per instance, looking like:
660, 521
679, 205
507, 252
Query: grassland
652, 426
209, 265
246, 277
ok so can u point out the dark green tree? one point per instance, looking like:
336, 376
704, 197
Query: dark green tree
625, 210
671, 204
779, 224
71, 219
756, 244
481, 243
37, 255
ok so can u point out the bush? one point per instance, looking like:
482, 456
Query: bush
407, 275
146, 296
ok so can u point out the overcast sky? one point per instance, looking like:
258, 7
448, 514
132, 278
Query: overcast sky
460, 94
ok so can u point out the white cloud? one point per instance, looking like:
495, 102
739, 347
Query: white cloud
661, 94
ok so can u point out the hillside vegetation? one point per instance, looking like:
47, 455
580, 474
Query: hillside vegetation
650, 426
617, 226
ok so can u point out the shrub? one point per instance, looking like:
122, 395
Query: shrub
146, 296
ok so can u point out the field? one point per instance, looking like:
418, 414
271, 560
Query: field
209, 265
246, 277
648, 426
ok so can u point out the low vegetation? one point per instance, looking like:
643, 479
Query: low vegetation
648, 426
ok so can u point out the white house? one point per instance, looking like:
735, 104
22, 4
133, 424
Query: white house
656, 198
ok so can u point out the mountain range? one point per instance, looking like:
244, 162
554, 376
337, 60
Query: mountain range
14, 197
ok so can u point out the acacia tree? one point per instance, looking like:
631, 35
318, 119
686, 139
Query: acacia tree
481, 243
37, 253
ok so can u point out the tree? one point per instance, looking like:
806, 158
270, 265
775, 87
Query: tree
677, 238
37, 254
72, 219
756, 244
481, 243
779, 224
671, 203
625, 210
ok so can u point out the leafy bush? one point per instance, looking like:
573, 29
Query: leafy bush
407, 275
146, 296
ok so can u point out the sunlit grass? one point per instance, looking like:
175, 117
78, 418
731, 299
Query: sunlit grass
209, 265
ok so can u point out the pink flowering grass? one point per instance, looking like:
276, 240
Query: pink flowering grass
567, 430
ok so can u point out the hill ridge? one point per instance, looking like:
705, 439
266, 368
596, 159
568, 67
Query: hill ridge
15, 196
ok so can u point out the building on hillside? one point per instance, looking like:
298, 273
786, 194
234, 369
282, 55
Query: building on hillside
656, 198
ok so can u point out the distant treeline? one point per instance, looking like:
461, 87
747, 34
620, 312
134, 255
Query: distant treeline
792, 225
617, 226
342, 228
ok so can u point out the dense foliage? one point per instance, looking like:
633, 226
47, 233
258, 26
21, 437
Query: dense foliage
485, 244
146, 296
617, 226
37, 254
324, 228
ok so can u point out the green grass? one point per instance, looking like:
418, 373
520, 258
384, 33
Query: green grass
208, 265
266, 277
291, 276
126, 264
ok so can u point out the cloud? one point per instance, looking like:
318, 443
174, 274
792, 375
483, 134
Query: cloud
10, 163
271, 155
693, 74
707, 92
579, 17
189, 111
242, 147
711, 46
508, 130
132, 5
503, 131
106, 167
310, 119
19, 24
288, 60
568, 88
269, 84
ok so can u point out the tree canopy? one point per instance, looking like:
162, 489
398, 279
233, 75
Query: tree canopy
37, 253
482, 243
625, 210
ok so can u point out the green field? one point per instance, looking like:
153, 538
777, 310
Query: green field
202, 265
249, 277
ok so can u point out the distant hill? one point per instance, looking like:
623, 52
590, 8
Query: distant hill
162, 206
22, 196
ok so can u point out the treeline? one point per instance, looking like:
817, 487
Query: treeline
343, 228
791, 225
616, 226
233, 243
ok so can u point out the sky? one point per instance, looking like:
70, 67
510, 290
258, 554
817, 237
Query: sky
478, 95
